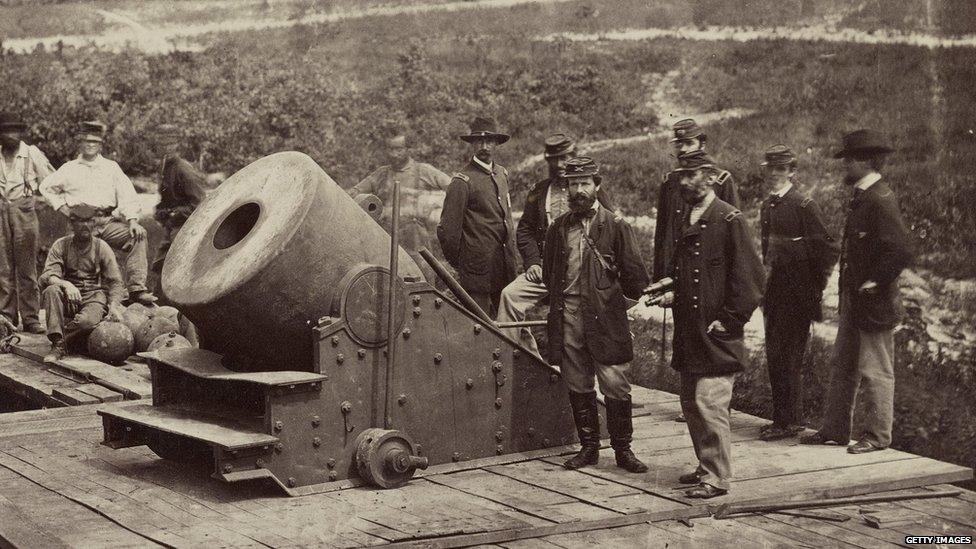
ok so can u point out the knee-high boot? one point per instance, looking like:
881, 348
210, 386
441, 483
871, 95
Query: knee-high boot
587, 427
621, 426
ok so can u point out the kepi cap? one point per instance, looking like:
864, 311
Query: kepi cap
778, 155
686, 129
694, 161
559, 144
484, 127
582, 166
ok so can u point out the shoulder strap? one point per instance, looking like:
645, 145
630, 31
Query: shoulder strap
806, 202
732, 215
461, 176
723, 176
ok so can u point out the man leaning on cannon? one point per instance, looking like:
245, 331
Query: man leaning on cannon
590, 263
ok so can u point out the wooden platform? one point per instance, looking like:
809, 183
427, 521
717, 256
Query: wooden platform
74, 380
60, 487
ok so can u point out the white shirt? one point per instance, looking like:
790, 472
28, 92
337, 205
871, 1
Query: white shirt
100, 183
697, 211
22, 177
478, 161
865, 182
782, 192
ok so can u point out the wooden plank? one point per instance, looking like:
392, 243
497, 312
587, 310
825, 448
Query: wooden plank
18, 530
25, 379
831, 533
104, 394
954, 509
28, 416
800, 535
212, 430
130, 384
708, 532
74, 397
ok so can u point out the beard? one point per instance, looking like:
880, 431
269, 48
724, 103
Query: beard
581, 202
483, 155
692, 196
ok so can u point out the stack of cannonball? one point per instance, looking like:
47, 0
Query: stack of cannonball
142, 329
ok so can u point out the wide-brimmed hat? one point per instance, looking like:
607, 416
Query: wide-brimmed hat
778, 155
863, 143
168, 133
686, 129
482, 127
11, 122
560, 144
92, 130
694, 161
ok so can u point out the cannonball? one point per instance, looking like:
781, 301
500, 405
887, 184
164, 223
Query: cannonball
166, 311
171, 340
134, 318
110, 342
153, 328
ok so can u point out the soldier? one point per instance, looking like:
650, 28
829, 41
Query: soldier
99, 182
82, 281
547, 200
421, 187
718, 284
476, 231
799, 255
875, 249
24, 167
590, 263
671, 209
181, 188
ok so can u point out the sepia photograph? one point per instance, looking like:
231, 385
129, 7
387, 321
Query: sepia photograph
517, 274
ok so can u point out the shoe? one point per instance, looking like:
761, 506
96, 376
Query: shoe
819, 438
587, 419
690, 478
705, 491
620, 423
863, 447
57, 352
145, 297
779, 432
35, 328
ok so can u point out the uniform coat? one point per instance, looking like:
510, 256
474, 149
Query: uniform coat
877, 247
671, 211
531, 233
718, 276
603, 309
476, 231
798, 252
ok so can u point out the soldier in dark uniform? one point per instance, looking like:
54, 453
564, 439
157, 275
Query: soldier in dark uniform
671, 209
590, 263
547, 200
718, 277
875, 249
181, 188
799, 254
476, 231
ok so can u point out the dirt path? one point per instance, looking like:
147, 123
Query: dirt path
812, 33
169, 38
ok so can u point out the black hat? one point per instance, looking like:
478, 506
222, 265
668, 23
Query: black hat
862, 143
92, 130
779, 155
582, 166
559, 144
694, 161
11, 122
81, 212
167, 132
686, 129
484, 127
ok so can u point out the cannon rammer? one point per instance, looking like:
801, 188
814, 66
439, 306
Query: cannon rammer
288, 282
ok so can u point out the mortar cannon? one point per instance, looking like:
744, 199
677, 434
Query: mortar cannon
316, 365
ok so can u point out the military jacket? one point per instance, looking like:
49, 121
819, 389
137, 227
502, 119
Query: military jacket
876, 246
476, 231
603, 310
718, 276
531, 232
798, 252
181, 188
671, 211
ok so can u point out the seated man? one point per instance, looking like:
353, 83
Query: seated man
82, 282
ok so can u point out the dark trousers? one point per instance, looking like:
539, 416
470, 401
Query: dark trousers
133, 256
73, 322
19, 294
787, 334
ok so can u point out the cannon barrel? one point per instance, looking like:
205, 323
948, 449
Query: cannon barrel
261, 259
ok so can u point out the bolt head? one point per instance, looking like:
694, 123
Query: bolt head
339, 358
499, 436
496, 366
402, 400
438, 302
333, 475
278, 426
316, 442
456, 456
228, 467
553, 378
499, 450
416, 312
279, 447
345, 407
361, 353
416, 300
498, 403
406, 333
259, 463
438, 358
335, 341
477, 328
496, 353
469, 383
292, 482
316, 421
331, 463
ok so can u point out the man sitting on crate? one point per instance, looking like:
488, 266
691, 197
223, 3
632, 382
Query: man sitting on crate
82, 283
590, 262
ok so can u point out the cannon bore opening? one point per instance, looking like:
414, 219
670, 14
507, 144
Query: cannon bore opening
236, 226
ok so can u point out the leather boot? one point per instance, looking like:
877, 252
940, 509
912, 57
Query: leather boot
621, 427
587, 427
